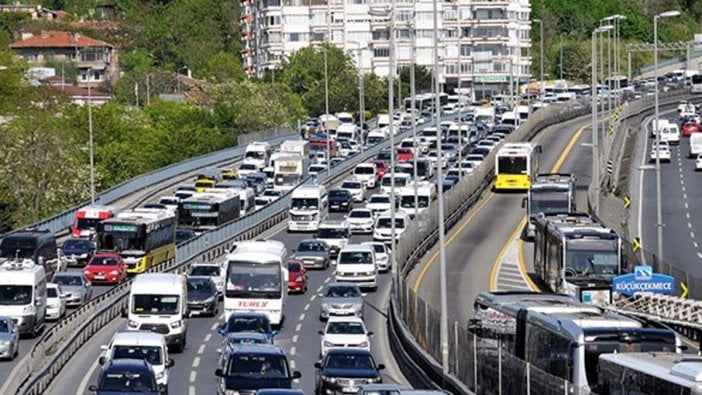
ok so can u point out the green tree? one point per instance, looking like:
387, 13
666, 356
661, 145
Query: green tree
12, 90
222, 66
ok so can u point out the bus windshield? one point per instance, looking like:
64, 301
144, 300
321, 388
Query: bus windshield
255, 155
87, 223
549, 201
588, 257
245, 280
304, 203
155, 304
121, 241
512, 165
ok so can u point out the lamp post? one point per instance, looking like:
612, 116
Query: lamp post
541, 49
659, 203
413, 63
595, 132
326, 109
90, 134
361, 91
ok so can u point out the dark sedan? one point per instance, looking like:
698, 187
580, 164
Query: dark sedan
346, 370
340, 200
78, 251
202, 296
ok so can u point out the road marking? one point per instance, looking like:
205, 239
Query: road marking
298, 327
91, 372
307, 307
196, 362
692, 234
465, 223
523, 268
294, 339
685, 196
313, 297
498, 261
292, 364
699, 254
193, 376
687, 215
302, 317
293, 350
686, 206
694, 243
683, 187
215, 326
569, 147
201, 349
689, 225
320, 288
208, 337
191, 390
326, 281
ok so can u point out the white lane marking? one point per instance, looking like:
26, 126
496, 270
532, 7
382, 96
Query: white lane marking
687, 215
694, 243
686, 206
294, 339
208, 337
327, 280
685, 196
84, 383
313, 297
689, 225
298, 327
320, 288
196, 362
692, 235
293, 350
699, 254
681, 176
191, 390
683, 188
307, 307
221, 316
641, 183
193, 376
201, 349
214, 326
302, 317
292, 364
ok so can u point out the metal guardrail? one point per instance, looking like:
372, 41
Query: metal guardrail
62, 221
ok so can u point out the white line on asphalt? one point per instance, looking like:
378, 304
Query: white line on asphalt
214, 326
681, 176
692, 234
683, 187
320, 288
687, 215
208, 337
313, 297
191, 390
292, 350
292, 364
689, 225
685, 196
196, 362
641, 182
686, 206
193, 376
201, 349
298, 327
327, 280
84, 383
307, 307
699, 254
294, 339
302, 317
694, 243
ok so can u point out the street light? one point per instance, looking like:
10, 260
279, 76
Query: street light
659, 203
324, 48
361, 92
90, 133
541, 48
595, 137
413, 64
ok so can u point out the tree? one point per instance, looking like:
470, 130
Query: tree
223, 66
12, 90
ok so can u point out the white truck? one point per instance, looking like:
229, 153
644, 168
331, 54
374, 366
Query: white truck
289, 171
295, 147
259, 153
23, 294
308, 207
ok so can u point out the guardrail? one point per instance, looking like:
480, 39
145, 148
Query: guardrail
62, 221
34, 374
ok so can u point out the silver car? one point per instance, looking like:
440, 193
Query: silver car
313, 253
341, 299
9, 339
75, 286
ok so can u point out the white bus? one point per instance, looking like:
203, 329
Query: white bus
516, 165
650, 373
308, 207
257, 279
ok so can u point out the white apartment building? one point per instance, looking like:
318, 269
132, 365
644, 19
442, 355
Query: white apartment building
494, 35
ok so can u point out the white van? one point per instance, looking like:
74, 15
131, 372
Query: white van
247, 200
426, 193
158, 302
335, 233
654, 127
23, 286
401, 180
308, 207
348, 131
356, 264
345, 118
383, 226
259, 153
145, 345
670, 133
376, 136
383, 120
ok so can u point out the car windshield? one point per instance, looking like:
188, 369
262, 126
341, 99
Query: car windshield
69, 280
151, 354
350, 328
127, 382
385, 222
76, 244
360, 214
350, 361
294, 267
304, 203
205, 271
248, 166
51, 292
104, 261
379, 199
378, 248
248, 324
355, 258
332, 233
339, 194
351, 185
258, 366
15, 294
203, 285
399, 181
311, 246
363, 170
341, 291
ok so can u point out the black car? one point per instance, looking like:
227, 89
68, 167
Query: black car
340, 200
78, 251
183, 235
202, 296
121, 376
384, 155
346, 370
251, 367
248, 322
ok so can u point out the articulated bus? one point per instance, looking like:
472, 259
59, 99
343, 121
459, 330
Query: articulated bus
204, 211
562, 337
87, 219
143, 237
516, 165
549, 193
257, 279
650, 373
576, 255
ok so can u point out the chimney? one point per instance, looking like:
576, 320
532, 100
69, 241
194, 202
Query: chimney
190, 72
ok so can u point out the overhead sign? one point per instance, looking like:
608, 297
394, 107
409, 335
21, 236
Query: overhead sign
491, 78
643, 280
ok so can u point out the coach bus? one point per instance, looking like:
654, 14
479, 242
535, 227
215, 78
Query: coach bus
516, 165
143, 237
204, 211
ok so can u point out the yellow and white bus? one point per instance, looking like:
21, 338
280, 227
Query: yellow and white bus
516, 165
144, 237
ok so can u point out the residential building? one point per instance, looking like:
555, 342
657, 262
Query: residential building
35, 11
78, 95
96, 60
493, 46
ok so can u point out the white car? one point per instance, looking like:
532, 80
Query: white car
379, 204
356, 188
382, 255
698, 162
316, 169
335, 233
55, 303
360, 220
171, 202
345, 332
466, 165
475, 159
383, 227
368, 173
272, 194
433, 157
662, 152
486, 143
247, 168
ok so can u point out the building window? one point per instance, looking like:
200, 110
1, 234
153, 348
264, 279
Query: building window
403, 33
271, 3
296, 37
381, 52
381, 35
356, 2
318, 36
31, 58
296, 19
450, 14
92, 56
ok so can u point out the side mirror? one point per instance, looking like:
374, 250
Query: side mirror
170, 362
381, 366
296, 375
321, 332
364, 294
221, 331
370, 333
219, 373
102, 360
318, 365
524, 202
124, 313
275, 332
93, 388
103, 347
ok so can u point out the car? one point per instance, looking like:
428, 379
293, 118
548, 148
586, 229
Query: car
382, 255
247, 168
404, 154
238, 338
433, 157
211, 270
341, 299
297, 277
366, 173
272, 194
383, 227
450, 150
360, 220
340, 200
338, 364
55, 302
698, 162
202, 296
335, 233
122, 376
252, 367
336, 160
171, 202
385, 154
76, 286
240, 322
662, 152
258, 181
279, 391
78, 251
9, 339
379, 204
107, 268
313, 253
382, 168
689, 128
490, 144
456, 174
316, 169
356, 188
475, 159
344, 332
183, 234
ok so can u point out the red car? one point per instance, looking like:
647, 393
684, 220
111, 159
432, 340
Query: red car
404, 154
297, 277
106, 268
382, 168
689, 128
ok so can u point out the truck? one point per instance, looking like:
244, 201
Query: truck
695, 145
289, 171
259, 153
295, 147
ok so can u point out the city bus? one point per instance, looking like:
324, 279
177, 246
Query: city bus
516, 165
87, 219
696, 83
576, 255
257, 279
650, 373
549, 193
208, 210
144, 237
561, 336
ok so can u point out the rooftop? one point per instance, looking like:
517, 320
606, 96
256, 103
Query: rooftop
59, 39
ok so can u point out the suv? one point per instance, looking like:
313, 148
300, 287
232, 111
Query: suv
346, 370
335, 233
356, 264
248, 323
250, 367
368, 173
127, 375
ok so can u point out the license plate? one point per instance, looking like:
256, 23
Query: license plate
98, 277
349, 390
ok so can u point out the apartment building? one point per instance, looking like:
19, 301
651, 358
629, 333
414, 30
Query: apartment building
487, 40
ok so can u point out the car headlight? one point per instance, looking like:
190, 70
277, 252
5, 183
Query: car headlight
329, 379
375, 379
371, 273
132, 324
114, 272
28, 309
83, 256
160, 375
211, 299
4, 342
176, 324
325, 306
328, 344
86, 272
363, 344
231, 392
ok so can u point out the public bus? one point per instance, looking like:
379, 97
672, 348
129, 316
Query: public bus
696, 82
204, 211
516, 165
257, 279
86, 222
617, 82
143, 237
650, 373
562, 337
576, 255
549, 193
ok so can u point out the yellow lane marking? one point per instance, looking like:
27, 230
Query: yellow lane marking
465, 223
573, 140
498, 261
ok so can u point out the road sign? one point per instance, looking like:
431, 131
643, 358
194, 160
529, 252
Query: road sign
643, 280
684, 292
636, 243
627, 202
611, 129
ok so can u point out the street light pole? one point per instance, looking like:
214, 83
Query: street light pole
413, 94
541, 48
460, 104
90, 132
326, 109
595, 132
659, 201
361, 93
